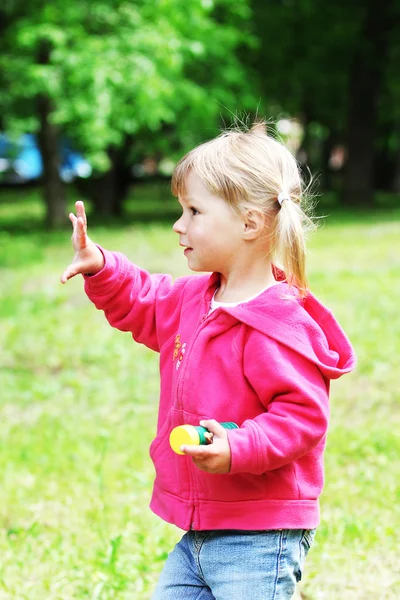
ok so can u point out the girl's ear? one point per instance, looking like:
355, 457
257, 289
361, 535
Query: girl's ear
253, 224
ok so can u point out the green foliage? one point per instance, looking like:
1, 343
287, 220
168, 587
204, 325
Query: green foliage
308, 61
78, 411
307, 52
119, 70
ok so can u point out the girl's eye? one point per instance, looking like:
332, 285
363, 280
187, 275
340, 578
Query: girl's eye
194, 211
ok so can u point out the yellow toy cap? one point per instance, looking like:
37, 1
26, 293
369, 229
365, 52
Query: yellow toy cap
183, 435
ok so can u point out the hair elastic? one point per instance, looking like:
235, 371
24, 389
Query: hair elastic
282, 196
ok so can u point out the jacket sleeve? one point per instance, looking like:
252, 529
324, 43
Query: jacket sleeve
295, 395
135, 301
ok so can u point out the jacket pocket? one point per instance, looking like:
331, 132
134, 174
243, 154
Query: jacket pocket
171, 469
161, 434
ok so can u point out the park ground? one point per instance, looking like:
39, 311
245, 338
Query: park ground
78, 411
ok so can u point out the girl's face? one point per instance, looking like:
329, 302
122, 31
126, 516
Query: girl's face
209, 229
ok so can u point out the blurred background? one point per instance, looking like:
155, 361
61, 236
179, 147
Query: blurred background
98, 100
105, 95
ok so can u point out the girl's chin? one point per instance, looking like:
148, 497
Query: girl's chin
199, 268
194, 264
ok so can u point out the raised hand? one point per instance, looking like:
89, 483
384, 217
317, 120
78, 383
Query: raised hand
88, 259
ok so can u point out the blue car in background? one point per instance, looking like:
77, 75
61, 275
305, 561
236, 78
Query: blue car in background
21, 161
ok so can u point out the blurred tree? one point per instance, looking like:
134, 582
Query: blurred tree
330, 65
387, 167
25, 98
122, 79
305, 45
368, 69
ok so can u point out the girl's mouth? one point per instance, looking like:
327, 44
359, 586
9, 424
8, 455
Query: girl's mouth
187, 251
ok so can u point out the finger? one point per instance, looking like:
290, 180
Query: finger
81, 224
214, 427
68, 273
80, 210
73, 219
81, 233
198, 452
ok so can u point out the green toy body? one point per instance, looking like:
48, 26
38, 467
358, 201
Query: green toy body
193, 435
202, 431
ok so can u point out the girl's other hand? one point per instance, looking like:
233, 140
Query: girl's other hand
88, 259
216, 457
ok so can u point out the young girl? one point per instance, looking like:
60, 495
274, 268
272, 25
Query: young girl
249, 344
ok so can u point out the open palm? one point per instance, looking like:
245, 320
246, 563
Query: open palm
88, 259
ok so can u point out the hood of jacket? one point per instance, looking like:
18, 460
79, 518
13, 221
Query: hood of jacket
302, 324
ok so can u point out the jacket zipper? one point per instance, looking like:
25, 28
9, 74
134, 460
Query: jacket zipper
193, 508
179, 405
180, 383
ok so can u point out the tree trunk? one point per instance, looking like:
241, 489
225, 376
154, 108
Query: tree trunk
365, 86
49, 144
385, 168
109, 191
396, 178
53, 187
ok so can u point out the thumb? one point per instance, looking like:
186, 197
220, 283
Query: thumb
215, 428
69, 272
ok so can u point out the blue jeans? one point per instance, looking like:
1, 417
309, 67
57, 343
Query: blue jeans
235, 565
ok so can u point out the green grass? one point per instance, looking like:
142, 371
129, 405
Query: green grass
79, 403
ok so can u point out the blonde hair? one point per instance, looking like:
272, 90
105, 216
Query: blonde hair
249, 169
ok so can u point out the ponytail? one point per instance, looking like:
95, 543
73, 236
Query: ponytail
292, 226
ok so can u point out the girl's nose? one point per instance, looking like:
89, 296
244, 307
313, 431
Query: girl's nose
179, 226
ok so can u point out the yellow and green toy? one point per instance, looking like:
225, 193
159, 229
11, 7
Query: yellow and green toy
193, 435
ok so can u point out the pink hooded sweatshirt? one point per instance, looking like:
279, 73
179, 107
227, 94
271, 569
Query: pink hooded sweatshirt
265, 364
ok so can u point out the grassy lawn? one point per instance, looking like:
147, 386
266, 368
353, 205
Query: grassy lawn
78, 410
